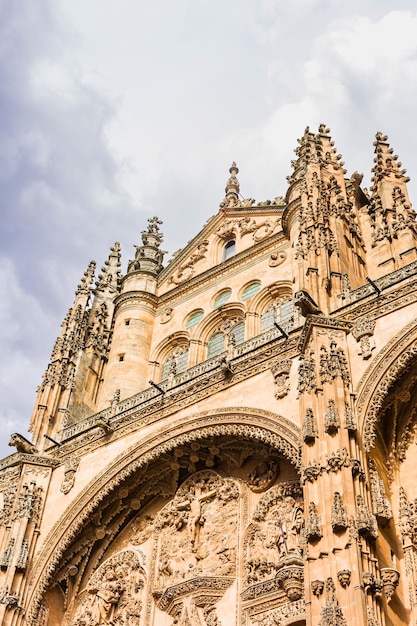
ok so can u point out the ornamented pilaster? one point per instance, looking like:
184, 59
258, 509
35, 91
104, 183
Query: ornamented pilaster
331, 474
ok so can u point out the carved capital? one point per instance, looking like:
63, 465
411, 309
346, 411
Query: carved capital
390, 579
344, 577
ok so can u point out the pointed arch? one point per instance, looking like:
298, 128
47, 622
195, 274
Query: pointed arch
380, 376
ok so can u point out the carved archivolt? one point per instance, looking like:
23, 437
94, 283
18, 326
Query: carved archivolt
271, 429
378, 379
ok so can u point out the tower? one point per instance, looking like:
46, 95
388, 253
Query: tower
229, 438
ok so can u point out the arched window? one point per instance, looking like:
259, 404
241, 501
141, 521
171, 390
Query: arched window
220, 340
229, 249
281, 311
215, 345
238, 333
176, 362
194, 319
222, 298
250, 290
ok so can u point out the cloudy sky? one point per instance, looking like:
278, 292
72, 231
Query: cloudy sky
114, 111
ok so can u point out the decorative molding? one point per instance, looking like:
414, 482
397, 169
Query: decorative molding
379, 377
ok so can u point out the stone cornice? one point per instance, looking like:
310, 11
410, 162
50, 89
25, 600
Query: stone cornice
21, 458
136, 295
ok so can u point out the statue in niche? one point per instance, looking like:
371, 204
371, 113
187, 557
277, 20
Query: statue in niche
275, 533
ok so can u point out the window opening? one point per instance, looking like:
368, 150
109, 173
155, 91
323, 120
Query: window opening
176, 363
222, 298
238, 332
229, 250
215, 345
250, 291
194, 319
280, 311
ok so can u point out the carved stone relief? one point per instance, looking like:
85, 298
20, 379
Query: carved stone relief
274, 541
281, 374
114, 594
363, 330
196, 548
71, 466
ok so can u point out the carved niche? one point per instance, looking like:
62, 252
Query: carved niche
273, 544
114, 593
196, 548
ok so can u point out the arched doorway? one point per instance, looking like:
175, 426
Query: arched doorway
206, 530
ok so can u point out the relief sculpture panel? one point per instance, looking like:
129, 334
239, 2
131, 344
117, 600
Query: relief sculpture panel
196, 548
115, 592
222, 550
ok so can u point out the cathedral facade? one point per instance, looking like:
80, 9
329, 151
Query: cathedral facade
229, 439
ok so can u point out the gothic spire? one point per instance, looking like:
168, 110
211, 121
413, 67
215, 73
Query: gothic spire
387, 167
110, 273
315, 149
86, 282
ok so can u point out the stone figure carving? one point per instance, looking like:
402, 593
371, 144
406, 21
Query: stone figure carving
21, 444
114, 592
69, 476
107, 595
196, 518
281, 374
275, 534
197, 530
263, 476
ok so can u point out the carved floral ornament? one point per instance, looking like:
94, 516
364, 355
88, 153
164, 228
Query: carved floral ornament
277, 433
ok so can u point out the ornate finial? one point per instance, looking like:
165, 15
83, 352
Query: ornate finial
154, 223
149, 256
232, 188
386, 166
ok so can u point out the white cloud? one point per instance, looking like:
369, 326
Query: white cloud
112, 112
